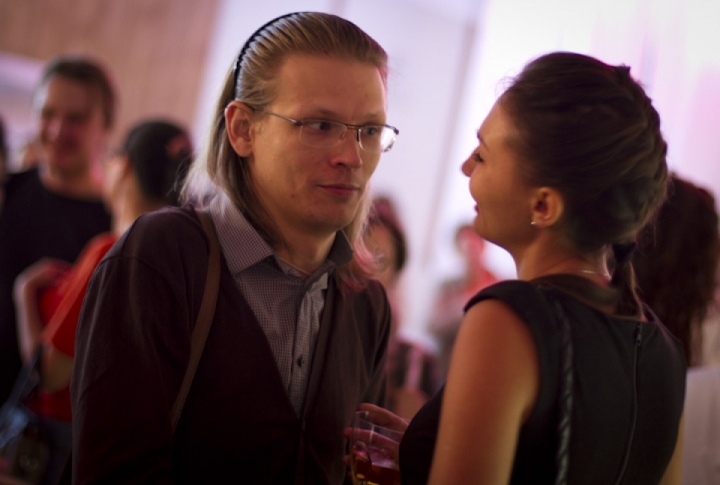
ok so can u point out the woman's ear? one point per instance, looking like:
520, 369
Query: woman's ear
122, 167
126, 166
238, 121
548, 207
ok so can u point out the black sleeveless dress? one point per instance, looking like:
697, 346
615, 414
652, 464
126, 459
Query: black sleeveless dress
605, 392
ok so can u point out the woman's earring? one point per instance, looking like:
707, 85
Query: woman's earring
532, 223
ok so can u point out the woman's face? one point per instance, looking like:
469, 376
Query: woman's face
504, 200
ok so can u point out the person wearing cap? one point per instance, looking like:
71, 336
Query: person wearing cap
299, 334
139, 178
52, 211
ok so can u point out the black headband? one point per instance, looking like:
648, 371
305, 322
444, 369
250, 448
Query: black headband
246, 46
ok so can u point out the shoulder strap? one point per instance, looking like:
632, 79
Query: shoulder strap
566, 396
205, 316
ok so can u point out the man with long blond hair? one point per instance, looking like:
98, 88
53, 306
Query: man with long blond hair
299, 333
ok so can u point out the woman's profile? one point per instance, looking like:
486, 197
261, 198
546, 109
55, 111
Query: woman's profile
569, 166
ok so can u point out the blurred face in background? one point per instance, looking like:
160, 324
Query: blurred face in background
73, 134
381, 243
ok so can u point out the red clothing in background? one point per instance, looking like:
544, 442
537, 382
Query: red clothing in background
59, 311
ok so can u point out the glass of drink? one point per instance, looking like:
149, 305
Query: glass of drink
374, 452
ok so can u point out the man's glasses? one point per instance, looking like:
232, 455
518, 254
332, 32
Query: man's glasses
326, 133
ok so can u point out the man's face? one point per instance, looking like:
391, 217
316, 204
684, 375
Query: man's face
313, 190
72, 129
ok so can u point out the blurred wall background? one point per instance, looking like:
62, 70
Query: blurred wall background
156, 50
448, 58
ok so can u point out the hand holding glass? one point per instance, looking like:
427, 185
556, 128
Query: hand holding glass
374, 452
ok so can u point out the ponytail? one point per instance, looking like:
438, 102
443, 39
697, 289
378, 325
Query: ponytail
624, 280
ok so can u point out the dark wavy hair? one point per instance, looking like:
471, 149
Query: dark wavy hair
160, 152
589, 130
677, 262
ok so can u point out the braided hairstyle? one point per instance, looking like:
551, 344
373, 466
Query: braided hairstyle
589, 130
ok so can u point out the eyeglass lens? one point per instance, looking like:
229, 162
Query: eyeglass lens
327, 133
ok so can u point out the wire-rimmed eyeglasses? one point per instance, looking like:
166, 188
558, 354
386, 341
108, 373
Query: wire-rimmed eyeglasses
325, 133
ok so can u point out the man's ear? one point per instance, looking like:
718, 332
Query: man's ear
238, 120
548, 207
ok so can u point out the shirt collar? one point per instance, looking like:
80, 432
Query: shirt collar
243, 246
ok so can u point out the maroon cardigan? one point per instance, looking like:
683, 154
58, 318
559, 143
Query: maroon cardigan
238, 425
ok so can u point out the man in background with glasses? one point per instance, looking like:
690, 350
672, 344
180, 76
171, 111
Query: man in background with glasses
299, 334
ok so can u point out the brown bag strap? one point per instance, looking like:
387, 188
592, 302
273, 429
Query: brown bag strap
205, 316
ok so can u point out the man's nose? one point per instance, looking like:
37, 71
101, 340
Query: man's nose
53, 127
351, 153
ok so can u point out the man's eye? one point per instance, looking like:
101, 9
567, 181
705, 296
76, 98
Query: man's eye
372, 130
319, 125
77, 119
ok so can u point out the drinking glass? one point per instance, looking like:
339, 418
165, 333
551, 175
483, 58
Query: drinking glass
374, 452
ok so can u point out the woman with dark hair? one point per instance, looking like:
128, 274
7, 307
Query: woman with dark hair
677, 263
140, 177
565, 363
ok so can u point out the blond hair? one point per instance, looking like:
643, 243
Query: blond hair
253, 81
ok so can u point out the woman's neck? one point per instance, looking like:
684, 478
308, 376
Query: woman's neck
125, 213
550, 262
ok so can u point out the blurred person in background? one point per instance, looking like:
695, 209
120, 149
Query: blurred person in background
142, 176
677, 263
447, 313
677, 270
413, 370
52, 211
